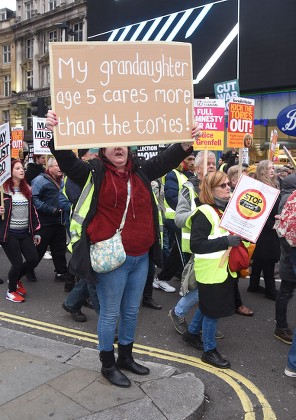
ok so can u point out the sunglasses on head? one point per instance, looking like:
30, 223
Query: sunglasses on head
224, 185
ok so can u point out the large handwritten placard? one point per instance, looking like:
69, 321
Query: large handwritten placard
121, 93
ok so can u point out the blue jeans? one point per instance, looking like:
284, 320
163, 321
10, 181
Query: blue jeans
120, 293
292, 354
208, 326
186, 302
80, 292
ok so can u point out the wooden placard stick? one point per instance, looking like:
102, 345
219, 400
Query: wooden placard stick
205, 162
2, 199
240, 162
225, 256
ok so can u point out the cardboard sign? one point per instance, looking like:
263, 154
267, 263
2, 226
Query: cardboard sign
17, 141
272, 144
121, 93
290, 157
227, 91
209, 114
240, 121
41, 136
5, 160
249, 208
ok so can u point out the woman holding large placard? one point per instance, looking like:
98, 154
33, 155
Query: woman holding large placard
215, 281
105, 185
18, 230
267, 250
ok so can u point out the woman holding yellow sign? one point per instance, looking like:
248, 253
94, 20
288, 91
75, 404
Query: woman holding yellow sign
215, 280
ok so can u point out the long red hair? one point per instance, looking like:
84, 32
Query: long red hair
24, 187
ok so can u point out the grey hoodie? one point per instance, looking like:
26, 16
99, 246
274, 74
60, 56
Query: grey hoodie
183, 209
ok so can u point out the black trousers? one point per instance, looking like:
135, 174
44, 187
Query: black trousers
54, 236
286, 292
148, 289
267, 266
15, 248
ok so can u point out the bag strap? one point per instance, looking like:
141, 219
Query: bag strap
217, 211
126, 207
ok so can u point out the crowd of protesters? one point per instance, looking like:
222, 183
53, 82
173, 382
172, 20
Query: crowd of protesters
36, 215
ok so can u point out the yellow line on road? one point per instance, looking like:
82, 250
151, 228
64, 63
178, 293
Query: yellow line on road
232, 378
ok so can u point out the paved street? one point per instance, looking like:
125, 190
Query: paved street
254, 388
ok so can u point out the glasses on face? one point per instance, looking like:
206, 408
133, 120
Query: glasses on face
224, 185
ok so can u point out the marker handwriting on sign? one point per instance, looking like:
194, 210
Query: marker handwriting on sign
156, 70
78, 70
131, 91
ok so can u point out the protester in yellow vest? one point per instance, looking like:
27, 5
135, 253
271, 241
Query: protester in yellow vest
107, 184
175, 260
186, 205
215, 280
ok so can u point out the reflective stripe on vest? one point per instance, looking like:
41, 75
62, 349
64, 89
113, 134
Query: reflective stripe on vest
80, 211
185, 231
169, 212
206, 266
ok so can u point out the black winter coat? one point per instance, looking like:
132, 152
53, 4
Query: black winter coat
268, 244
147, 171
33, 170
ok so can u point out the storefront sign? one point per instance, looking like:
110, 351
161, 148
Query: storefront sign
209, 115
121, 93
286, 120
249, 208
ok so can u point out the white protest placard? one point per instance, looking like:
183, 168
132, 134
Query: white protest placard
5, 160
249, 208
41, 136
121, 93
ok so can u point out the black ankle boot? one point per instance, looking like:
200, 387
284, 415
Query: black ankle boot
125, 360
193, 339
214, 358
110, 370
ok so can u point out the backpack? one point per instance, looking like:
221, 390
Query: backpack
285, 224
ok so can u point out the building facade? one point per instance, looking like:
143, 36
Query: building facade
26, 35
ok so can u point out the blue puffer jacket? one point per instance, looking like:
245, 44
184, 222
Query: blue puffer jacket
171, 187
46, 200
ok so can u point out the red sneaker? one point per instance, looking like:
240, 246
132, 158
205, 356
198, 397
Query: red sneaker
20, 288
14, 297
